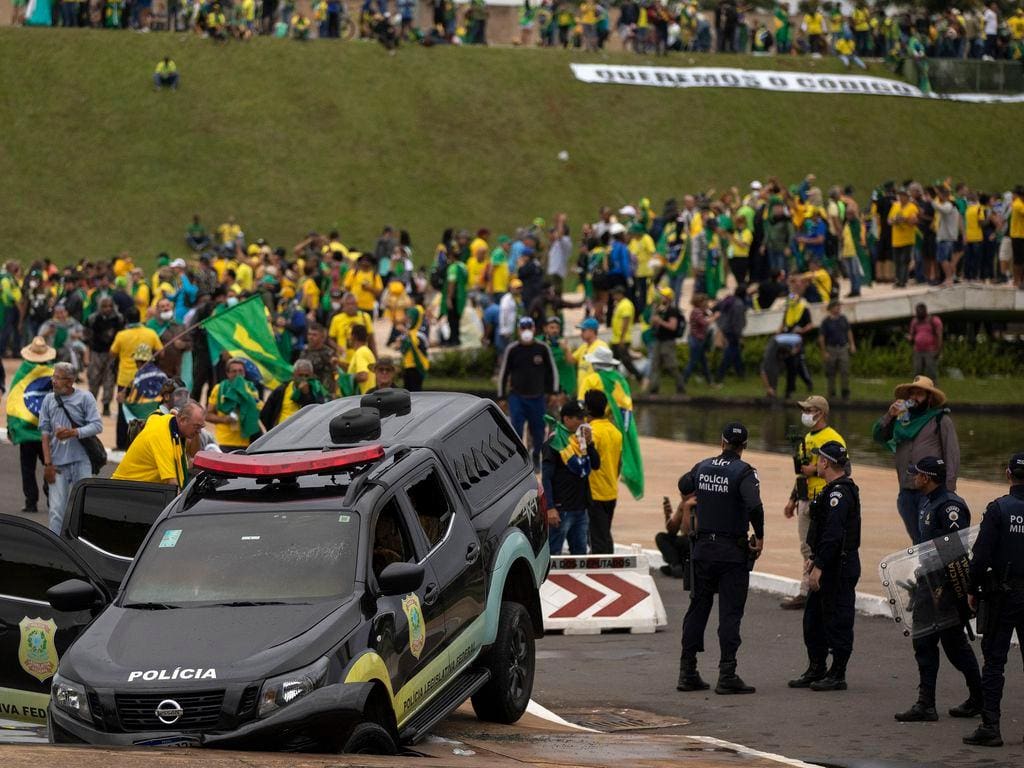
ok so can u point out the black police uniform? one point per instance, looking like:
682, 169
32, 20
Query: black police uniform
943, 512
728, 503
1000, 548
834, 539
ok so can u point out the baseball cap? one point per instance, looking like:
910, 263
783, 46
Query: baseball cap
666, 292
815, 402
178, 263
515, 282
616, 229
526, 322
932, 466
734, 433
1016, 466
755, 184
833, 450
590, 324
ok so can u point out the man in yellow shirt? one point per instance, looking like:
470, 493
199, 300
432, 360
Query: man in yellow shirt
365, 284
233, 409
814, 416
166, 74
244, 275
478, 268
903, 220
588, 334
623, 315
739, 250
361, 361
604, 481
229, 231
1017, 234
340, 330
291, 397
814, 26
127, 341
642, 250
157, 454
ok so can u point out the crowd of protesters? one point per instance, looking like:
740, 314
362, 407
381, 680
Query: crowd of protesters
979, 31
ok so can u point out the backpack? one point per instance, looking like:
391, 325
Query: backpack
681, 326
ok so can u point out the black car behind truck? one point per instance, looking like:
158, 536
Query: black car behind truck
345, 583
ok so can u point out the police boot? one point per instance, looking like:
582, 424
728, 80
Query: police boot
729, 682
835, 680
921, 712
689, 677
970, 708
815, 671
986, 735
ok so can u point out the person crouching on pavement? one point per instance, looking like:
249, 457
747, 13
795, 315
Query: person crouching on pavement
833, 570
674, 542
942, 513
568, 457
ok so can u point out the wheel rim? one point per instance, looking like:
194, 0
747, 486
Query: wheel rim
518, 662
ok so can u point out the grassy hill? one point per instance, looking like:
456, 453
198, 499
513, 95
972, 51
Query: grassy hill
290, 137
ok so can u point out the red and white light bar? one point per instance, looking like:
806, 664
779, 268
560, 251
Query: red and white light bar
270, 465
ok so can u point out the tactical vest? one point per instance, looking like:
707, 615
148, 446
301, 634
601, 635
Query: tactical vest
928, 523
819, 514
1009, 550
719, 506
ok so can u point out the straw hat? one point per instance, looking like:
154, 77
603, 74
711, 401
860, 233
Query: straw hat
936, 397
38, 351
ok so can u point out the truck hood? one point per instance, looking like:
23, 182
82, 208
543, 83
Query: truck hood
133, 648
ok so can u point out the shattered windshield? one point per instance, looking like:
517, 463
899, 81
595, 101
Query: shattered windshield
247, 559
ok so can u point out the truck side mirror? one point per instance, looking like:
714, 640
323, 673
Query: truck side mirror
74, 595
400, 578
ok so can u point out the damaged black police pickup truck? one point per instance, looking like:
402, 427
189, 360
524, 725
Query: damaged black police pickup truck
343, 584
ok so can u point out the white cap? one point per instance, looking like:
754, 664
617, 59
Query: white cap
616, 228
627, 210
178, 263
755, 184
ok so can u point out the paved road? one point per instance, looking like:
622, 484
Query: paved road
639, 672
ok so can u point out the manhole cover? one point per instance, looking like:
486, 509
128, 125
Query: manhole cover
610, 720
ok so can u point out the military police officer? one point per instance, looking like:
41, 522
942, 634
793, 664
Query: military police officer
728, 503
832, 572
942, 512
997, 582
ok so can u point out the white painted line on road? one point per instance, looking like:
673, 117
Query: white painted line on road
750, 752
539, 710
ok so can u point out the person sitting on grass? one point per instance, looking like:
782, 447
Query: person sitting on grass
300, 27
217, 23
166, 74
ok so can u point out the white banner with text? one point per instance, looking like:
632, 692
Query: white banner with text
766, 80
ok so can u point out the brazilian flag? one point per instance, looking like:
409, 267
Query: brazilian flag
632, 461
32, 382
244, 331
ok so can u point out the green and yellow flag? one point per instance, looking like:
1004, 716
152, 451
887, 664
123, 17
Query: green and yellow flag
632, 462
244, 331
32, 382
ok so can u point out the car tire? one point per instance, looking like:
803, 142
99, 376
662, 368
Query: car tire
511, 661
370, 739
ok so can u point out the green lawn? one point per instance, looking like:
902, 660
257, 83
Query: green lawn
290, 137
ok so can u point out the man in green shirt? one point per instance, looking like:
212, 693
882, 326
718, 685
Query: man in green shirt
456, 282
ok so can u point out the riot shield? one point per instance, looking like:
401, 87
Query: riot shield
927, 584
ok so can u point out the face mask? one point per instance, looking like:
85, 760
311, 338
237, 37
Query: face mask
232, 300
335, 305
165, 316
792, 296
808, 419
526, 336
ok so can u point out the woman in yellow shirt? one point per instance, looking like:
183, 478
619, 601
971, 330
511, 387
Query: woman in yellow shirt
903, 220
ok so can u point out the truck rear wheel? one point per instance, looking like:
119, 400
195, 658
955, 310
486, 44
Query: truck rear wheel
511, 661
370, 739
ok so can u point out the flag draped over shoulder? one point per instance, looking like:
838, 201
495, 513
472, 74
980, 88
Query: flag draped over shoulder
144, 395
632, 462
244, 331
32, 382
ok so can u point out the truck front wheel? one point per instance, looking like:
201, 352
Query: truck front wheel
511, 661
